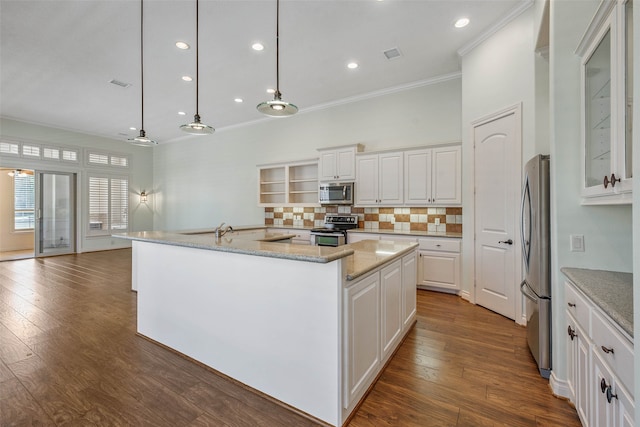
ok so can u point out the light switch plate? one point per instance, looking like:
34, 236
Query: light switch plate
576, 243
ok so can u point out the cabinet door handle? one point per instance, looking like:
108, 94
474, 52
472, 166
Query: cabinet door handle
572, 333
607, 350
614, 180
571, 304
603, 385
508, 242
610, 394
605, 182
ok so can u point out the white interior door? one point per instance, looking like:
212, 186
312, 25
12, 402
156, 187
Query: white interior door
497, 179
55, 213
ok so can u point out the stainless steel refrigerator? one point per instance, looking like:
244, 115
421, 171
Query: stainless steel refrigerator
536, 286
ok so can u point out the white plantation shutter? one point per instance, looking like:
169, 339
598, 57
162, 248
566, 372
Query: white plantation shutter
9, 148
70, 155
51, 153
119, 204
98, 205
98, 159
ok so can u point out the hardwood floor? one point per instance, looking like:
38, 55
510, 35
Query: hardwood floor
69, 356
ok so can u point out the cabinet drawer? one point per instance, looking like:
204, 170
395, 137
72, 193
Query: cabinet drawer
617, 352
578, 307
446, 245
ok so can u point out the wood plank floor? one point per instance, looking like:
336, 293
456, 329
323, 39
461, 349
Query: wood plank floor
69, 356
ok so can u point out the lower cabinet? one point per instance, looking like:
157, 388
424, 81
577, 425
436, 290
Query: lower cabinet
378, 310
599, 364
439, 266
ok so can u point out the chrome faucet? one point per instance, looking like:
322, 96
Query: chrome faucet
221, 230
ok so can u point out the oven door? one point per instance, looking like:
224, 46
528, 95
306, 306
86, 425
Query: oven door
327, 239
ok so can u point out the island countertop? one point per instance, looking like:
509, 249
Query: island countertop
612, 291
362, 256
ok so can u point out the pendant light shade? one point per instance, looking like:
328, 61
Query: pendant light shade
197, 127
142, 139
277, 107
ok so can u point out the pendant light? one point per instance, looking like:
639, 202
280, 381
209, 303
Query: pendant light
277, 107
142, 139
196, 127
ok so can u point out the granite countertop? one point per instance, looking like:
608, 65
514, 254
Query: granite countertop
407, 233
370, 254
361, 257
259, 243
612, 291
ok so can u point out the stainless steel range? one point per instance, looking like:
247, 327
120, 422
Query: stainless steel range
334, 232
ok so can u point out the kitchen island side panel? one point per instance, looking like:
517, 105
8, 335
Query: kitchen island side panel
273, 324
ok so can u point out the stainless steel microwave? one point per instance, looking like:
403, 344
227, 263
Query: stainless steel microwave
336, 193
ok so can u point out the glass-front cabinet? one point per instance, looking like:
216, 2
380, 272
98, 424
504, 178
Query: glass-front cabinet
607, 89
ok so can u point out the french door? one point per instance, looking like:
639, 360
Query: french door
55, 213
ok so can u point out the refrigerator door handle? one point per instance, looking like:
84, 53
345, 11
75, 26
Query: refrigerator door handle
525, 240
528, 293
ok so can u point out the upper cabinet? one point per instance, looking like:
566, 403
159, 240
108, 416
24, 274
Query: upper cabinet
288, 184
432, 176
338, 163
607, 103
379, 179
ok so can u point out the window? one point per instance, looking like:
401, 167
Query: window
108, 205
98, 159
9, 148
70, 155
51, 153
30, 150
24, 202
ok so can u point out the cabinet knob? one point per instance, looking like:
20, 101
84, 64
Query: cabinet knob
607, 390
571, 304
614, 180
572, 333
607, 350
605, 182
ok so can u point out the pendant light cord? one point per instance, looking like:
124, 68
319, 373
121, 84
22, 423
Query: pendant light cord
278, 48
197, 58
142, 63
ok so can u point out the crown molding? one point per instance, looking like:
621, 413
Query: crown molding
513, 14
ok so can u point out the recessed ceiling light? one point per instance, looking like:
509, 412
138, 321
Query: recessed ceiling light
239, 100
132, 128
462, 22
257, 46
182, 113
187, 78
271, 90
182, 45
352, 65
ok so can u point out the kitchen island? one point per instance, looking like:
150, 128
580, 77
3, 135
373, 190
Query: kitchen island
310, 326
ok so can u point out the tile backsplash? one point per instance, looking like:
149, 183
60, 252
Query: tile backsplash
403, 219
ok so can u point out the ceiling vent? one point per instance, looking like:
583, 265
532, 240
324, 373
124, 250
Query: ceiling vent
392, 53
119, 83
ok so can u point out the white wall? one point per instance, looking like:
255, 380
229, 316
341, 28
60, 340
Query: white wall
140, 174
607, 230
497, 74
205, 180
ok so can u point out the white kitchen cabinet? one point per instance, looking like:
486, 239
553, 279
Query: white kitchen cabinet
578, 354
378, 311
433, 176
338, 163
391, 307
362, 336
288, 184
607, 104
379, 179
439, 264
599, 364
409, 296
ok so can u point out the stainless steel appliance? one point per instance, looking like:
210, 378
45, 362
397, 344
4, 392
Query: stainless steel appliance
334, 232
535, 234
336, 193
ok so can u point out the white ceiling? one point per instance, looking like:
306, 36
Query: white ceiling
58, 56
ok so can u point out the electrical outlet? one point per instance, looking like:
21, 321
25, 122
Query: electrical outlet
576, 243
437, 221
393, 219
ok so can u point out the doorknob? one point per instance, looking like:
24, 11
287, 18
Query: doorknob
508, 242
